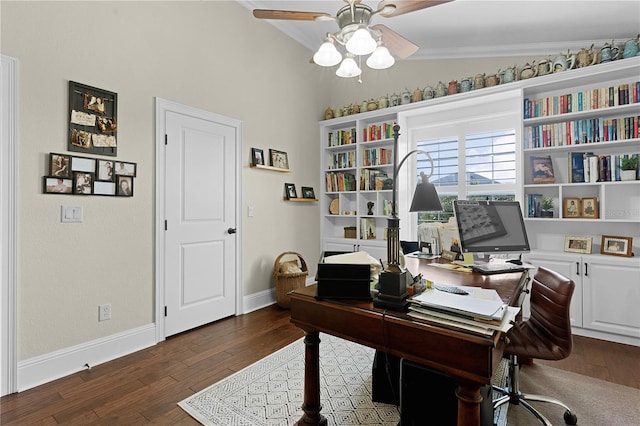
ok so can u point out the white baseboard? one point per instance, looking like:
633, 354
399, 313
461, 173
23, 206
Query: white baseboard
55, 365
626, 340
45, 368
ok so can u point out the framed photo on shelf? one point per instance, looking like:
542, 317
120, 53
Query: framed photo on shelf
279, 159
57, 185
290, 191
257, 157
571, 207
542, 169
616, 246
367, 229
60, 165
577, 244
307, 192
589, 207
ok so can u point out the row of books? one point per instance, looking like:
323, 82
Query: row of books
342, 160
377, 156
376, 132
582, 131
588, 167
374, 180
340, 181
586, 100
342, 137
534, 205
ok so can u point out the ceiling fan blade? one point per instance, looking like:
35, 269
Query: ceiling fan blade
406, 6
397, 45
290, 15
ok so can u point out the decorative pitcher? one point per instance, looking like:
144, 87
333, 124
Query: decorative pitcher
383, 102
564, 62
405, 98
491, 80
452, 89
428, 92
416, 96
585, 57
466, 84
372, 105
478, 81
441, 89
508, 75
328, 113
394, 100
609, 52
631, 47
544, 67
528, 71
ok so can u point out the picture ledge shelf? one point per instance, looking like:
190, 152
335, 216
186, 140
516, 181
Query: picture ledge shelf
275, 169
301, 200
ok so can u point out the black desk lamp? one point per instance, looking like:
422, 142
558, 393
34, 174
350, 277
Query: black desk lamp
393, 280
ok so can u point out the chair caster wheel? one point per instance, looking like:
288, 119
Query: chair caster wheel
570, 418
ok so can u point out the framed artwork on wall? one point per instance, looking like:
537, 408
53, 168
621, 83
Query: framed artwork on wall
93, 122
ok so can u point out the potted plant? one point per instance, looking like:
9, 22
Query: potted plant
547, 207
628, 167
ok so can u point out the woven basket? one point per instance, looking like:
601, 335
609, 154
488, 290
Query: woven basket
288, 282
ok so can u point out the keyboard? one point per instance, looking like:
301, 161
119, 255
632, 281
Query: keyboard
497, 268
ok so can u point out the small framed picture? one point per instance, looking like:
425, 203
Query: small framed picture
124, 186
57, 185
83, 164
124, 169
60, 165
278, 159
257, 157
589, 207
104, 188
576, 244
105, 170
307, 192
290, 191
571, 207
83, 183
616, 246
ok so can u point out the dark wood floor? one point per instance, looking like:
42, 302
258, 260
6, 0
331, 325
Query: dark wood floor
146, 386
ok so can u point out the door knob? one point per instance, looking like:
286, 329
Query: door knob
231, 230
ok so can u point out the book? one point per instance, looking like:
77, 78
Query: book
576, 167
542, 169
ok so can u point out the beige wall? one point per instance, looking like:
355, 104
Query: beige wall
209, 55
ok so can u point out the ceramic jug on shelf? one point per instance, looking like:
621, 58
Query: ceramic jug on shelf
609, 52
355, 109
478, 81
563, 62
363, 106
328, 114
428, 93
394, 100
372, 105
508, 75
405, 98
452, 89
528, 71
585, 58
466, 84
383, 102
416, 96
441, 89
543, 67
337, 112
491, 80
631, 47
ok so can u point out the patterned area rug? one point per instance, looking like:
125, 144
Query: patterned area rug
270, 391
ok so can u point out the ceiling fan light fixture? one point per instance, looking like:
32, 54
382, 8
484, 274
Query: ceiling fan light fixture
361, 42
327, 55
380, 59
348, 68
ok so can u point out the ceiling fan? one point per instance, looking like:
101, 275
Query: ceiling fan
357, 34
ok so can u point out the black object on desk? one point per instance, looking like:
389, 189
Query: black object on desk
343, 281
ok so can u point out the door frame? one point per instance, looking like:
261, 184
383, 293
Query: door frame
9, 223
162, 107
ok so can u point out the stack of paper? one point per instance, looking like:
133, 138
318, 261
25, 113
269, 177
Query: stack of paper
481, 310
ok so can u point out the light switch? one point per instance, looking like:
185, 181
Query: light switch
250, 211
71, 214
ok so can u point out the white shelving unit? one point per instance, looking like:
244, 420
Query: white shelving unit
600, 308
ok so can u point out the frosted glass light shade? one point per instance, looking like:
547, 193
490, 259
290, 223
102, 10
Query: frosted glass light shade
380, 59
348, 68
327, 55
361, 42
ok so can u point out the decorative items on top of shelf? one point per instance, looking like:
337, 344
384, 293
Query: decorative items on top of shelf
257, 157
291, 194
616, 246
88, 176
562, 62
577, 244
290, 191
585, 207
279, 159
93, 120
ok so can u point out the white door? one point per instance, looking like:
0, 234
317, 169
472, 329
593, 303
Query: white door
200, 211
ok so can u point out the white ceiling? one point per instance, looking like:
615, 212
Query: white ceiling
482, 28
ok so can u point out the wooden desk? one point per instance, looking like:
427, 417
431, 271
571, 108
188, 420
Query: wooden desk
469, 358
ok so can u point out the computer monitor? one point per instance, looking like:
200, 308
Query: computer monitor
490, 227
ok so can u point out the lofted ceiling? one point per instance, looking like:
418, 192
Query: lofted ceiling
481, 28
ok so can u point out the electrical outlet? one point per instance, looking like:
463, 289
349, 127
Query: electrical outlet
104, 312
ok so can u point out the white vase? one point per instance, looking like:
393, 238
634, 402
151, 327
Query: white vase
627, 174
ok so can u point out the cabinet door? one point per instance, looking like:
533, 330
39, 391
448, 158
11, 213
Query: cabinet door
571, 267
611, 292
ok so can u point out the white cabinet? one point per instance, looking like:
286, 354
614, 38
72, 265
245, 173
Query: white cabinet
607, 292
